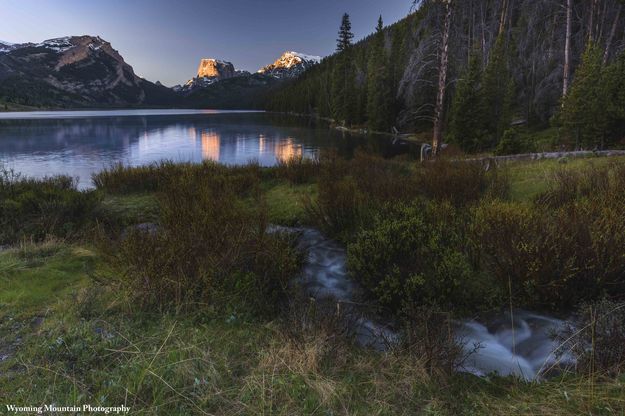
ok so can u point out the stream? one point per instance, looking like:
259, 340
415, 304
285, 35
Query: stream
520, 345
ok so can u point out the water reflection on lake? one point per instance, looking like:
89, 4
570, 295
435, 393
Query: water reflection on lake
79, 143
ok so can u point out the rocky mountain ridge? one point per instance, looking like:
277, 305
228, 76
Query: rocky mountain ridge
288, 66
73, 71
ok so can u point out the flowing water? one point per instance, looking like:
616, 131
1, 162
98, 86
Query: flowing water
520, 345
80, 143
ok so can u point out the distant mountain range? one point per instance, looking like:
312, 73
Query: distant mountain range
74, 71
85, 71
290, 65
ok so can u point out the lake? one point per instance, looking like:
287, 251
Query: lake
80, 143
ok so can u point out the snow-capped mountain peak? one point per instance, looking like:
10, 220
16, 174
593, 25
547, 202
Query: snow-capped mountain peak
290, 65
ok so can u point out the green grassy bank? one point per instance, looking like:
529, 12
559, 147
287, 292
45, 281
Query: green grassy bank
72, 331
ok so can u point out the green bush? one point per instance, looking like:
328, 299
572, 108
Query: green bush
596, 338
121, 179
33, 209
513, 143
566, 248
297, 170
417, 254
210, 250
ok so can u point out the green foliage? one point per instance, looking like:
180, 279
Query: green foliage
466, 127
33, 209
345, 34
351, 192
614, 90
338, 87
482, 104
416, 255
513, 142
379, 101
596, 337
583, 110
565, 248
497, 92
210, 248
121, 179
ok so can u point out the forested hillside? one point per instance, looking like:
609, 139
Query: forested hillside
475, 69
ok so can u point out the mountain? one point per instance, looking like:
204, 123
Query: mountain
74, 71
213, 68
290, 65
209, 72
240, 92
219, 85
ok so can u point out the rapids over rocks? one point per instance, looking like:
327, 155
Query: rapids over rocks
520, 345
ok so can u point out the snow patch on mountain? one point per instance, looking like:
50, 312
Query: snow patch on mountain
58, 44
290, 65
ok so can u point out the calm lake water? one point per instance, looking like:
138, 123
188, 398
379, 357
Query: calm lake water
80, 143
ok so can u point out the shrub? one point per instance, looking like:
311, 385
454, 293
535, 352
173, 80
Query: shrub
210, 250
596, 338
461, 183
414, 255
513, 143
297, 170
33, 209
554, 256
120, 179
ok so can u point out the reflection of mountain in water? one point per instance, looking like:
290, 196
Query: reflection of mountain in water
82, 146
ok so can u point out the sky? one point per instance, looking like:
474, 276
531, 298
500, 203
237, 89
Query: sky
164, 40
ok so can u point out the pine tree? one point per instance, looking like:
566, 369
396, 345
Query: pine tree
467, 125
497, 93
345, 34
614, 86
379, 100
584, 108
344, 94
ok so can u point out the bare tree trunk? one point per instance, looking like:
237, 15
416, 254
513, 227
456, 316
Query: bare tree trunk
608, 43
567, 48
591, 21
502, 18
442, 81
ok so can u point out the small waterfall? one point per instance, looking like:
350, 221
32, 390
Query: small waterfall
520, 345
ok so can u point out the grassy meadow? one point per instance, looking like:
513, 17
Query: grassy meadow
198, 317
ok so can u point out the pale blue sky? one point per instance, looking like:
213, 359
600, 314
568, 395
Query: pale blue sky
164, 40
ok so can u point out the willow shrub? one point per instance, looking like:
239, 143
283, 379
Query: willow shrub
417, 254
351, 193
565, 248
155, 177
33, 209
210, 250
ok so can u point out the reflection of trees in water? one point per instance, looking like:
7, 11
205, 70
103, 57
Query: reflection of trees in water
218, 135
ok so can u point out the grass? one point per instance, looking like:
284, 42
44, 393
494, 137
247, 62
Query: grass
70, 340
42, 274
132, 208
98, 353
530, 179
285, 201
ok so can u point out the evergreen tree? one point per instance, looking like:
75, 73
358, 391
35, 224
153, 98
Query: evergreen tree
379, 99
497, 93
345, 34
584, 108
344, 93
614, 87
467, 125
